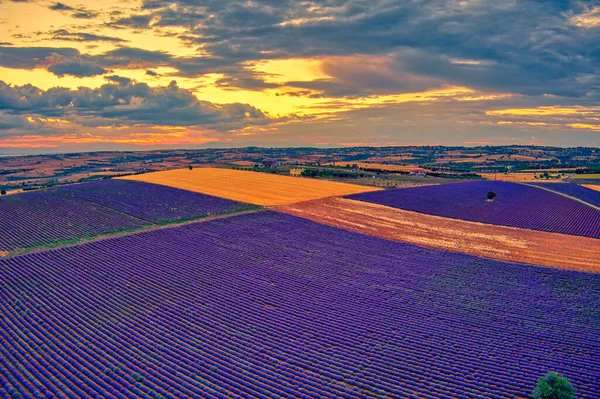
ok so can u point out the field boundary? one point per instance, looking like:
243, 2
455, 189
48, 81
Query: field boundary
503, 243
563, 194
258, 188
128, 232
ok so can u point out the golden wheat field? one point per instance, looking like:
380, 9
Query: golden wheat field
251, 187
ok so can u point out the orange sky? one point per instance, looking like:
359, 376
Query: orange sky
247, 83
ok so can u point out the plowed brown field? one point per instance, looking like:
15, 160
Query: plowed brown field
496, 242
251, 187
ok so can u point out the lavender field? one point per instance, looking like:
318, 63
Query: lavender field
516, 205
47, 217
574, 190
267, 305
152, 202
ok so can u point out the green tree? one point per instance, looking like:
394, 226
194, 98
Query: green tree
491, 195
554, 386
3, 192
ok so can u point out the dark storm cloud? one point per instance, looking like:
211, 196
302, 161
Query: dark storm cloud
523, 46
76, 67
126, 103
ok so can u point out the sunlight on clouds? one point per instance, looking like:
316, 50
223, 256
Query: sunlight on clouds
305, 21
545, 111
589, 19
45, 80
289, 70
584, 126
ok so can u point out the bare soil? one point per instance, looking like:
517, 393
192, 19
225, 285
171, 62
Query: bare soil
554, 250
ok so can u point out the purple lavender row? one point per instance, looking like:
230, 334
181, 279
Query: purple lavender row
153, 202
51, 216
268, 305
516, 205
575, 190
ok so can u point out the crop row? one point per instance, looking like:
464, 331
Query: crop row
574, 190
268, 305
152, 202
45, 217
72, 212
515, 205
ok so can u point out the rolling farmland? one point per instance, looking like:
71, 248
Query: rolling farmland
516, 205
47, 217
496, 242
215, 310
83, 211
250, 187
575, 190
594, 187
152, 202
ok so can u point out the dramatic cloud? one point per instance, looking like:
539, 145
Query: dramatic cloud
31, 57
63, 34
74, 66
409, 68
126, 103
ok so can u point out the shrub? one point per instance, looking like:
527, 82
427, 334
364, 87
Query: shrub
3, 192
190, 167
554, 386
491, 195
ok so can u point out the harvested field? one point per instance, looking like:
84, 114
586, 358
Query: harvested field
595, 187
516, 177
381, 166
585, 176
516, 205
497, 242
250, 187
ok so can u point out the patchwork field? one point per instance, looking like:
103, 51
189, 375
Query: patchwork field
269, 305
153, 202
496, 242
381, 166
516, 177
250, 187
83, 211
516, 205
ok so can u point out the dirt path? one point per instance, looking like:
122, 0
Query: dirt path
563, 194
496, 242
149, 227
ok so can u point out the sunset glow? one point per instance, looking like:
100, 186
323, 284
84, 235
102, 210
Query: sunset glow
95, 74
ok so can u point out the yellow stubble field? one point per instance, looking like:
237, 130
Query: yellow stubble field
251, 187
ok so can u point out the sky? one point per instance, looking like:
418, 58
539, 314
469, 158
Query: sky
147, 74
